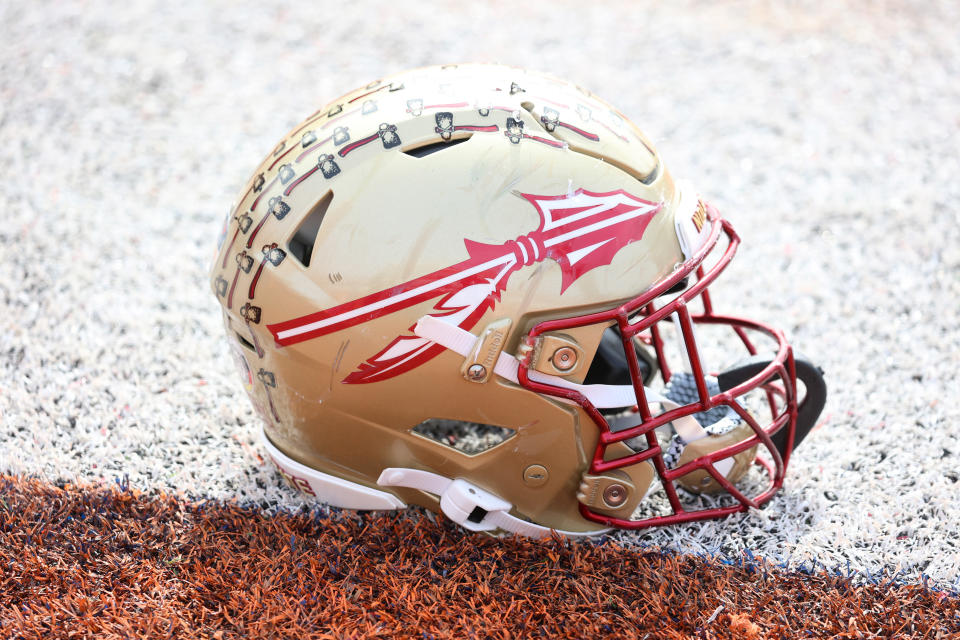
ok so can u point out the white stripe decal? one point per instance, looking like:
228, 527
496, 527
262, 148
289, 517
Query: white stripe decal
597, 225
406, 295
576, 256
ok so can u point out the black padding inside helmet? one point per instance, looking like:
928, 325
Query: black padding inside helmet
434, 147
808, 409
610, 366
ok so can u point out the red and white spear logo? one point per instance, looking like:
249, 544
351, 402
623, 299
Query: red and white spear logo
580, 231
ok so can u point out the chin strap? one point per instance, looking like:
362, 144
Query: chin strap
468, 505
602, 396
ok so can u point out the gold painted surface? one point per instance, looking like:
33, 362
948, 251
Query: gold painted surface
702, 482
395, 217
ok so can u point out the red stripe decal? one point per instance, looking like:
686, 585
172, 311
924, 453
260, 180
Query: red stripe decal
226, 252
300, 179
316, 116
447, 106
585, 134
556, 104
280, 157
359, 143
368, 93
256, 278
552, 143
240, 202
257, 230
376, 297
342, 115
233, 286
476, 127
310, 147
266, 187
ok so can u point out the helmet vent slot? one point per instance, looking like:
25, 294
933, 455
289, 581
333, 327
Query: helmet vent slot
434, 147
648, 178
301, 244
469, 438
645, 178
246, 344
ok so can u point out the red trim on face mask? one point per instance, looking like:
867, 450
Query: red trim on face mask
642, 315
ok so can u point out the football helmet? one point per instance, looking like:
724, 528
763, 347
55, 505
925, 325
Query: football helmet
477, 289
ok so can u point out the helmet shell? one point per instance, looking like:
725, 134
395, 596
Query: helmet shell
409, 177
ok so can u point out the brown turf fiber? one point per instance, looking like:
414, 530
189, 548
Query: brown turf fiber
107, 563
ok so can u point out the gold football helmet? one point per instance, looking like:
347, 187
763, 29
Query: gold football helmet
475, 288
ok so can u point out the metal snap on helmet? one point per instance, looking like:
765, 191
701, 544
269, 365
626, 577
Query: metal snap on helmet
476, 288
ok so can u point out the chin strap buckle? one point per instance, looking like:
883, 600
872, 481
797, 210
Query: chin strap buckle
468, 505
471, 507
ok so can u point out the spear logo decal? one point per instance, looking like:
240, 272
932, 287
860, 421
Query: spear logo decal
580, 231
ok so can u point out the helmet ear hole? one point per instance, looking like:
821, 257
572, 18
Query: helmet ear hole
469, 438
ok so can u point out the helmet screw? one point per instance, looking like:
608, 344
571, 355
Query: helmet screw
564, 358
615, 495
476, 372
536, 475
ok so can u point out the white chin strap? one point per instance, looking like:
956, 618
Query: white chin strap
602, 396
468, 505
